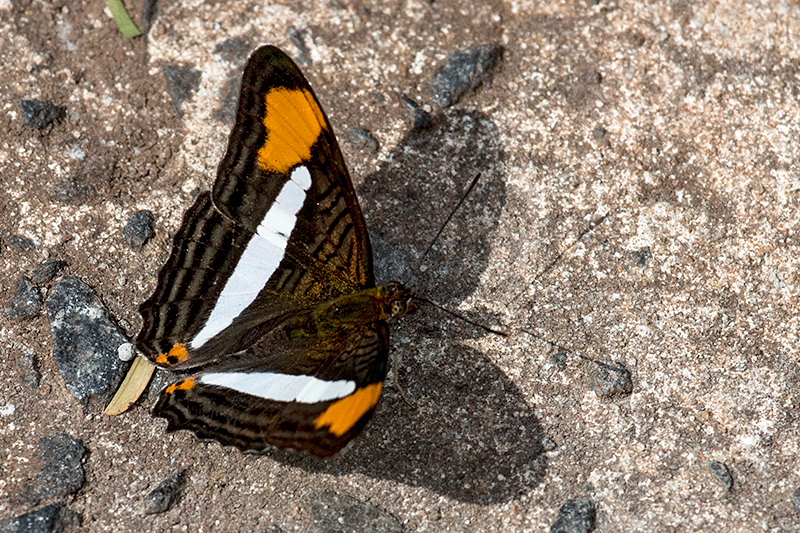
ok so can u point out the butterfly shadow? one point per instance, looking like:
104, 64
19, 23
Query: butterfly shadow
469, 433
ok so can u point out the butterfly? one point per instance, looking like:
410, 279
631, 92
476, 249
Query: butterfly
267, 303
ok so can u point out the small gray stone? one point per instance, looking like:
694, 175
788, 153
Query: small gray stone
233, 49
420, 117
138, 229
642, 256
612, 380
182, 80
575, 516
592, 78
361, 139
26, 302
20, 243
161, 498
85, 340
796, 499
28, 369
62, 469
227, 110
549, 445
463, 71
298, 38
55, 518
47, 270
71, 189
560, 359
41, 114
723, 474
332, 512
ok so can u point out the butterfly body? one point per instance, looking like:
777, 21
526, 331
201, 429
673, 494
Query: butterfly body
268, 298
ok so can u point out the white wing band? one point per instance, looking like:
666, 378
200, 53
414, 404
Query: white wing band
281, 387
260, 259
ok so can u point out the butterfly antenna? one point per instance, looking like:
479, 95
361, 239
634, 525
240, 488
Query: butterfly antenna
453, 212
430, 246
594, 223
545, 339
461, 317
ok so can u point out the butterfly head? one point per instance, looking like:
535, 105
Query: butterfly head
400, 298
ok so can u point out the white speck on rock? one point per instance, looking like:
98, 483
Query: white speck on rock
125, 351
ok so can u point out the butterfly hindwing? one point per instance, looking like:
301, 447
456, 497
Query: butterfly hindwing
317, 413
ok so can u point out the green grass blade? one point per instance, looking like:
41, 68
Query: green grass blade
123, 20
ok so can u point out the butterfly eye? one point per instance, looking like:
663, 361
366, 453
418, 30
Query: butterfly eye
398, 308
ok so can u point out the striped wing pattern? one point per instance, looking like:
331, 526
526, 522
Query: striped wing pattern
280, 232
248, 422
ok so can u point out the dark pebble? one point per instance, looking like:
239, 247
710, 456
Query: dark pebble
642, 256
599, 133
592, 78
549, 445
46, 271
28, 369
161, 498
21, 244
85, 340
463, 71
575, 516
723, 474
71, 189
138, 229
796, 499
298, 40
26, 302
55, 518
182, 80
612, 380
560, 360
420, 117
233, 49
41, 114
332, 512
227, 110
62, 468
361, 139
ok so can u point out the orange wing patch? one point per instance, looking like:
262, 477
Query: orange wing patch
186, 384
293, 121
343, 414
177, 354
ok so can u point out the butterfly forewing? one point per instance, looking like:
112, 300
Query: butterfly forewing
294, 235
280, 233
281, 133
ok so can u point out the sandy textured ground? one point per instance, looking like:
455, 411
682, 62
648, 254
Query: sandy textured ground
639, 210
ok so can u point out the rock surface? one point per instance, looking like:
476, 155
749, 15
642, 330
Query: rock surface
638, 206
85, 340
